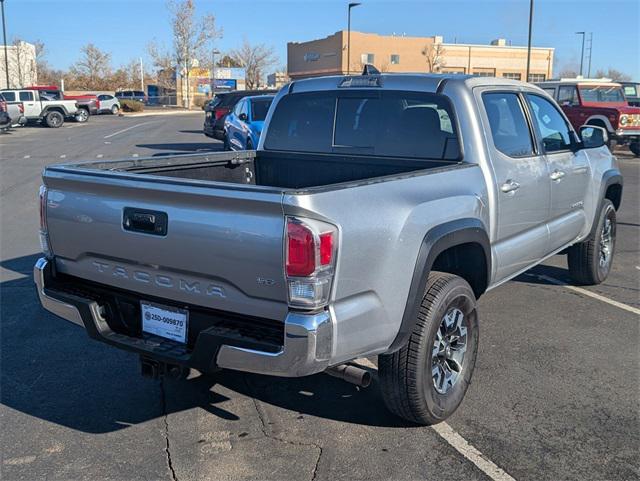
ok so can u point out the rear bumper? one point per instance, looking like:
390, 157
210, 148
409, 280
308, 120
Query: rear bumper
306, 346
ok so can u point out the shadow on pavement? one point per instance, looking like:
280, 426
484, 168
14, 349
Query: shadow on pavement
53, 371
182, 147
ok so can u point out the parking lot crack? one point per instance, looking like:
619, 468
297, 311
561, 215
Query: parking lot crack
165, 419
267, 433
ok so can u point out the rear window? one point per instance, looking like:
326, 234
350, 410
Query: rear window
259, 109
382, 123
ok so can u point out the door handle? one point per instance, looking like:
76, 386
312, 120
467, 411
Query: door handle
509, 186
557, 175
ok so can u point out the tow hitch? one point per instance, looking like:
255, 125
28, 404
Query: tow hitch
156, 369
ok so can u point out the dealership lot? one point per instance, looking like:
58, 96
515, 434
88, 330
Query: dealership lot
555, 393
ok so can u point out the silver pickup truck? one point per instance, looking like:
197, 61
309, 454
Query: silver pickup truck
374, 212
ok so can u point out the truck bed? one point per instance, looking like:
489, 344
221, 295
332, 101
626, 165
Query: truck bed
280, 170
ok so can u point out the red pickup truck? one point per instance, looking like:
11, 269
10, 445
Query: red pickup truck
598, 102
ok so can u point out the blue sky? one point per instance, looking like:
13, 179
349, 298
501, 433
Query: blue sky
124, 27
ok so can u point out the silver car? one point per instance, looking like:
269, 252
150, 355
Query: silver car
108, 104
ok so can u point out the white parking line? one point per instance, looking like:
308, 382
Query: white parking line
63, 156
127, 129
460, 444
134, 155
617, 304
26, 157
99, 156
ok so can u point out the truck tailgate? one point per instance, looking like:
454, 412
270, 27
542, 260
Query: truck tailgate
223, 247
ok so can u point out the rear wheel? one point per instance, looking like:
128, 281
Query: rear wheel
590, 261
82, 116
634, 147
54, 119
426, 380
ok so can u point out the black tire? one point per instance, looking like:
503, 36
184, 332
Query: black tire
634, 147
406, 376
82, 116
225, 142
115, 110
249, 144
590, 261
54, 119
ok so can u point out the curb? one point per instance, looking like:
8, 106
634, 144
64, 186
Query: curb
171, 112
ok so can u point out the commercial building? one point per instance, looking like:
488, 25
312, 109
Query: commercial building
201, 81
400, 53
23, 69
277, 79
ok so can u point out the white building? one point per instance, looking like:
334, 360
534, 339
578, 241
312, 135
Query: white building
23, 70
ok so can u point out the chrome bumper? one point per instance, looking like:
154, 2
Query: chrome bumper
307, 345
628, 133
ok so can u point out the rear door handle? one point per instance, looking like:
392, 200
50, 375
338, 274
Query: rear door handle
557, 175
509, 186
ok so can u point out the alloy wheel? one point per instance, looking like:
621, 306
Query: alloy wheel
449, 347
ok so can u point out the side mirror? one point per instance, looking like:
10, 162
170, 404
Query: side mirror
593, 136
243, 117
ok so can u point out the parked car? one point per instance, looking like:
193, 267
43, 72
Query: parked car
214, 123
598, 102
138, 95
243, 125
632, 93
5, 119
373, 214
40, 108
88, 104
109, 104
15, 112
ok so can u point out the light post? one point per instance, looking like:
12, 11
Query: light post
6, 54
529, 42
213, 71
351, 5
582, 53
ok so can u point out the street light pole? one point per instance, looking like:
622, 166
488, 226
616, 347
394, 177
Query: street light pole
351, 5
213, 71
529, 42
6, 54
582, 53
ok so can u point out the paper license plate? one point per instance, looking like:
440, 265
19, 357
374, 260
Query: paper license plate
165, 321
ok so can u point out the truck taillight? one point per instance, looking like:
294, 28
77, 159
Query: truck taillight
21, 108
310, 257
44, 233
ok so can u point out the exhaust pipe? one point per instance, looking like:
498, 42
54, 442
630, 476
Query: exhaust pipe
351, 374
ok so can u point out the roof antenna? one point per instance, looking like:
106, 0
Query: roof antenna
370, 70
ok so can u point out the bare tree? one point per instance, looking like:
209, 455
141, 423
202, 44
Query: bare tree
23, 63
434, 54
190, 38
93, 70
228, 61
568, 72
613, 74
164, 66
255, 59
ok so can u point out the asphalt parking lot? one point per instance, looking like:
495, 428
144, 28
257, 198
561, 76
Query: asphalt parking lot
555, 394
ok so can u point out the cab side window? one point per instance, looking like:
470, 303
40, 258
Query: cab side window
568, 95
26, 96
550, 124
509, 129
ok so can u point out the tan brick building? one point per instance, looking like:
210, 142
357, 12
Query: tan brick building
399, 53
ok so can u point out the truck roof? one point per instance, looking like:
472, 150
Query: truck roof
422, 82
